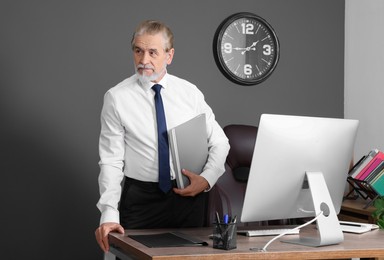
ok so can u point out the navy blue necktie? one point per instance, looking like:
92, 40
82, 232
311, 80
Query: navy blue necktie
163, 147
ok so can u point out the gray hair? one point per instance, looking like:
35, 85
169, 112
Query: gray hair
153, 27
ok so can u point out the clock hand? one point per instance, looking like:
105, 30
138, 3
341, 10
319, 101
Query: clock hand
238, 49
253, 44
250, 48
244, 50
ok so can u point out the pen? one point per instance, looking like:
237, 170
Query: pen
226, 220
218, 224
226, 217
217, 218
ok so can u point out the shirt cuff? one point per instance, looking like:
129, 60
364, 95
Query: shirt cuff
211, 177
110, 215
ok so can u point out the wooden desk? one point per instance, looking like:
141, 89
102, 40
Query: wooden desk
354, 210
368, 245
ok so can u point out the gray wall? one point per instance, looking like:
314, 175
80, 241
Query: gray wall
57, 59
364, 77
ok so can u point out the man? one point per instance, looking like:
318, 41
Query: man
129, 144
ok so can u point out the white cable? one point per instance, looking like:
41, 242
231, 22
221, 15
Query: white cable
306, 211
264, 249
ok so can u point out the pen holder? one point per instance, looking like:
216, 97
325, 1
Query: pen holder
224, 236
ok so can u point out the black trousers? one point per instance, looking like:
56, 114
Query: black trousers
143, 205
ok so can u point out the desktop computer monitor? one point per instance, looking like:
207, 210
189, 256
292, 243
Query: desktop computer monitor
299, 169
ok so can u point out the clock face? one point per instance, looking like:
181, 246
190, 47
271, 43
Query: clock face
246, 49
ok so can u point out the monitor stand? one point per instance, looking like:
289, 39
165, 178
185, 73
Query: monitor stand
328, 226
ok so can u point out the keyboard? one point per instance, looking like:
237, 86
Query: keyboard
268, 232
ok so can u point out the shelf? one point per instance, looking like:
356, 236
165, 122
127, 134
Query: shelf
356, 210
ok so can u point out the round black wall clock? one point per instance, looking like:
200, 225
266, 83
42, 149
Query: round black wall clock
246, 48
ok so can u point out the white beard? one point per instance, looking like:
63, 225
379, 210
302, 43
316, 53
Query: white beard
144, 79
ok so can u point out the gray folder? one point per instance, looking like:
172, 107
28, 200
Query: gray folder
189, 148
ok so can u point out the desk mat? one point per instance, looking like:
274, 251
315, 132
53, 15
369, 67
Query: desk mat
168, 239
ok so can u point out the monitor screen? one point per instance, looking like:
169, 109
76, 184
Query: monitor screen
287, 149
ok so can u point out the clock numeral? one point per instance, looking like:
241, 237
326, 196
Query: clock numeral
247, 69
247, 28
267, 49
227, 47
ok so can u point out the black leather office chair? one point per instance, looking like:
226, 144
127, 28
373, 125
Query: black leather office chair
227, 196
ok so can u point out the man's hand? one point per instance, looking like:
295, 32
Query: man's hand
198, 184
102, 232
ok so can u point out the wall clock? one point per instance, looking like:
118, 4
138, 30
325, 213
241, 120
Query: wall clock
246, 48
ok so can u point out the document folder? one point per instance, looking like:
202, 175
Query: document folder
168, 239
189, 148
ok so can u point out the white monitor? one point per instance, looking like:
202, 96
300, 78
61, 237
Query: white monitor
292, 152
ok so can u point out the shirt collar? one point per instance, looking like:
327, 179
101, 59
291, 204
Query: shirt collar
163, 81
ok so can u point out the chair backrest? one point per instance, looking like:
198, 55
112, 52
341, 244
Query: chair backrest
227, 196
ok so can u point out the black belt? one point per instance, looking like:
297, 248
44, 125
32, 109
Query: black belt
147, 184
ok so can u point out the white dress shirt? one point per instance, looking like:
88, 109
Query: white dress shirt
128, 138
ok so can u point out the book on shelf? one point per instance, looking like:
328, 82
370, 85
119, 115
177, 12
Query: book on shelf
368, 173
372, 176
189, 148
358, 166
379, 157
362, 163
377, 176
378, 184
